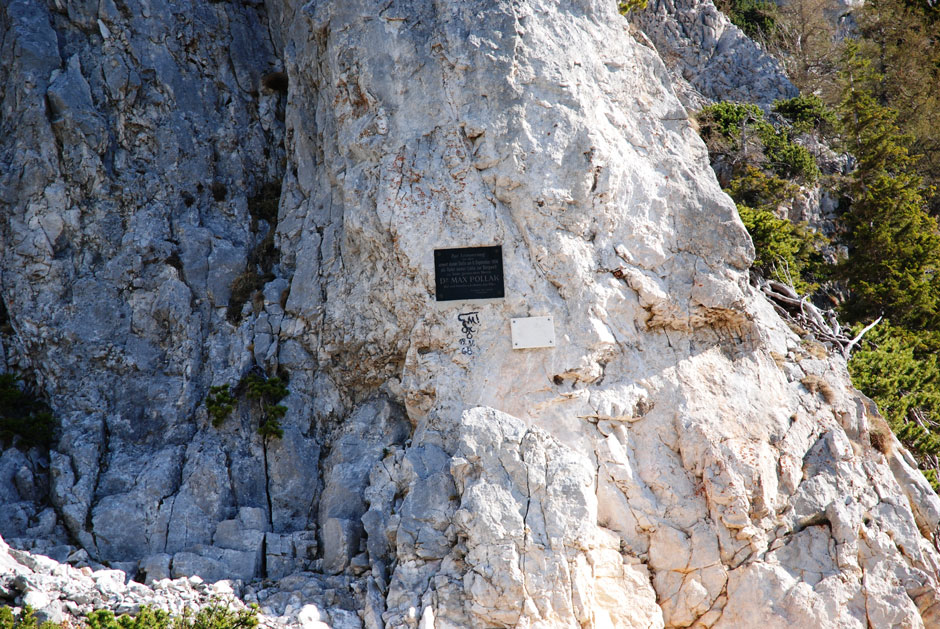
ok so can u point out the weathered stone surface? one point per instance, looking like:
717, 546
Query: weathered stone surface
663, 465
61, 592
359, 444
708, 57
129, 225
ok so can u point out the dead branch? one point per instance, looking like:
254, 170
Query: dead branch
848, 348
822, 324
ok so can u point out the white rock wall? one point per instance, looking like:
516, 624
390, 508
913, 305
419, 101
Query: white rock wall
679, 458
674, 401
709, 58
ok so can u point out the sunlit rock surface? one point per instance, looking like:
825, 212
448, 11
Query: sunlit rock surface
679, 458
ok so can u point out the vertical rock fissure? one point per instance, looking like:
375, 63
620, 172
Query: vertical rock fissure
102, 468
171, 495
267, 483
263, 567
166, 539
231, 478
525, 522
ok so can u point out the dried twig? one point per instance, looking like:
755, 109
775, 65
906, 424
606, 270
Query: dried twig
794, 307
848, 348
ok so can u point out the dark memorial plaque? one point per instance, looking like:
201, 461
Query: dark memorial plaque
468, 273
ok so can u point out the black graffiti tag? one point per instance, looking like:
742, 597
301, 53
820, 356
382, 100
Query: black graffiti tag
468, 322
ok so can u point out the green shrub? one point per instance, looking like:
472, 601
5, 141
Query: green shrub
146, 618
900, 370
727, 119
220, 617
216, 616
23, 417
625, 6
735, 127
756, 189
787, 158
757, 18
807, 114
265, 393
786, 252
220, 404
26, 619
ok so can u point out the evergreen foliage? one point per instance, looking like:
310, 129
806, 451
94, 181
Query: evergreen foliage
741, 131
216, 616
901, 40
787, 158
894, 265
900, 370
625, 6
757, 18
265, 394
786, 252
728, 119
807, 114
220, 404
25, 619
755, 188
146, 618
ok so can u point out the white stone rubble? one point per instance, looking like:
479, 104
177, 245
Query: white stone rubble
680, 458
59, 592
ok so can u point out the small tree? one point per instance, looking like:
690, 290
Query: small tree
785, 252
901, 40
894, 244
806, 42
24, 418
266, 393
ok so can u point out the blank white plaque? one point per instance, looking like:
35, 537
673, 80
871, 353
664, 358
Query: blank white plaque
530, 332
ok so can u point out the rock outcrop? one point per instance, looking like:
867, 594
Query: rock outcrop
57, 592
679, 457
709, 58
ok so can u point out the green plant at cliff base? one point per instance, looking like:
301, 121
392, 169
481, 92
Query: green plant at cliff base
216, 616
900, 370
25, 619
784, 251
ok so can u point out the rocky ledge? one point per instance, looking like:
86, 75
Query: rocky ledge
61, 592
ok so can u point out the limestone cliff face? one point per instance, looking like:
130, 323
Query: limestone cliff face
680, 456
708, 57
